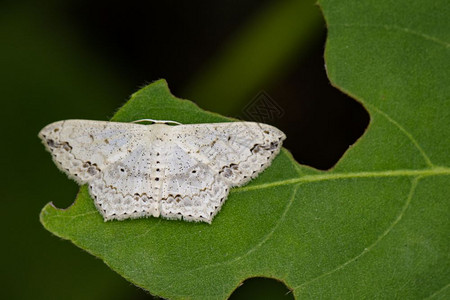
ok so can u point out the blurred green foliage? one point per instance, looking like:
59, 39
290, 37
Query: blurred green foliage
257, 56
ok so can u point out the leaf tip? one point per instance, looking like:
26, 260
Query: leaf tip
47, 211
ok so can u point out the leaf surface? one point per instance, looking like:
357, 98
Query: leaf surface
374, 226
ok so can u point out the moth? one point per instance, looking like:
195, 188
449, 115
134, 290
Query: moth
164, 169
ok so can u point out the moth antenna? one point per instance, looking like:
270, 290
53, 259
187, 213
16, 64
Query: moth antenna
157, 121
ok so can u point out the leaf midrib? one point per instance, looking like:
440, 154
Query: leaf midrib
435, 171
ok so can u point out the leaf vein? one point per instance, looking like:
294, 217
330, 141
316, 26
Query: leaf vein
402, 29
405, 132
435, 171
264, 240
377, 241
438, 291
139, 236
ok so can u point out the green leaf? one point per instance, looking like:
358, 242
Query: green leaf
374, 226
313, 230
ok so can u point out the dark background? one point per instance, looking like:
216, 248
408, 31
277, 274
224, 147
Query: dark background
82, 59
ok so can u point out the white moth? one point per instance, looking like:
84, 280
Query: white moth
176, 172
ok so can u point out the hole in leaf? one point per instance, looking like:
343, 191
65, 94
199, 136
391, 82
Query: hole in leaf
262, 288
320, 121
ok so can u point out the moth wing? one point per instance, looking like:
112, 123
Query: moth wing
190, 188
238, 151
82, 148
112, 157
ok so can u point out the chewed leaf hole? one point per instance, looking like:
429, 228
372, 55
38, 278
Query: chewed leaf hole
262, 288
321, 123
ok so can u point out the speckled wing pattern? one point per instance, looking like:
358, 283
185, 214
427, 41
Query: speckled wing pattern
176, 172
